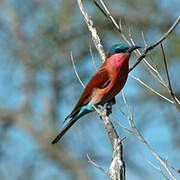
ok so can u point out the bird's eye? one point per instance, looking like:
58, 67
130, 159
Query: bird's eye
118, 50
124, 50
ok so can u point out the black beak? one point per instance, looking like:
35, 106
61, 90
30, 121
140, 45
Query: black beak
132, 48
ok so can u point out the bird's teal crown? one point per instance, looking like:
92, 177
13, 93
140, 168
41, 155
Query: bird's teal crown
117, 48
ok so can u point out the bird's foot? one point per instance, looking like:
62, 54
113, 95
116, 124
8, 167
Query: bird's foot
112, 101
108, 109
109, 106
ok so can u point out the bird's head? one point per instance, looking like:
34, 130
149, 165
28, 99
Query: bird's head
121, 48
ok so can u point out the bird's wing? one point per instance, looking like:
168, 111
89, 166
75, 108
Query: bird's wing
100, 80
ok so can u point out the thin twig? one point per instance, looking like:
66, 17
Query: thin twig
75, 70
153, 71
143, 37
175, 102
141, 138
150, 88
154, 166
143, 55
107, 14
93, 60
149, 67
97, 166
121, 125
175, 169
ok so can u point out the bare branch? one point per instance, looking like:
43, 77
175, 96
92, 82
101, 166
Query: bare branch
75, 70
97, 166
107, 13
93, 31
154, 166
175, 102
151, 89
93, 60
175, 169
109, 127
141, 138
117, 168
146, 49
124, 127
143, 37
152, 70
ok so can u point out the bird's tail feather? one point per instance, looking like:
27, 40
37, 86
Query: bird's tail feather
72, 115
75, 115
64, 130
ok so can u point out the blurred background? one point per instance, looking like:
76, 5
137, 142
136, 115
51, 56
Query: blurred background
38, 89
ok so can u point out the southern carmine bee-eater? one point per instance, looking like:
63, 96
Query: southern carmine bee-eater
106, 83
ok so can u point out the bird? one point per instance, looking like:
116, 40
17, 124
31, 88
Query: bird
104, 85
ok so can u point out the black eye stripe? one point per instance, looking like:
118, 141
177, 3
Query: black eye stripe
115, 51
120, 50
